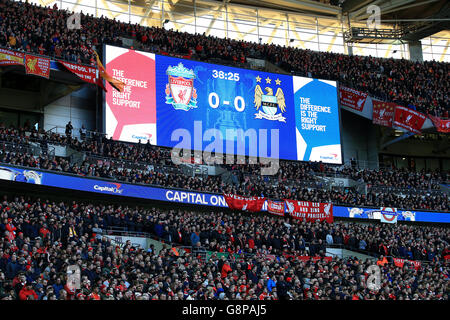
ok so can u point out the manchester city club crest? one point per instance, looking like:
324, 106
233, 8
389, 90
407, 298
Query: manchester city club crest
180, 91
268, 102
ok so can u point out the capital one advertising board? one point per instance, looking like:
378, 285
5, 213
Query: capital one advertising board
292, 117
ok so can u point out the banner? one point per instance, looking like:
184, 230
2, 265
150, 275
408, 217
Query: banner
308, 258
11, 58
383, 113
85, 73
275, 207
401, 262
409, 119
440, 124
352, 98
310, 211
388, 215
252, 204
116, 84
38, 66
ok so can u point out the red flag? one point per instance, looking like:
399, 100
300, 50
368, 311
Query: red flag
36, 65
310, 211
440, 124
383, 113
85, 73
11, 58
252, 204
409, 119
116, 84
275, 207
352, 98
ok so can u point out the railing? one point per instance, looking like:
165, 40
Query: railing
28, 149
407, 191
121, 231
173, 188
76, 133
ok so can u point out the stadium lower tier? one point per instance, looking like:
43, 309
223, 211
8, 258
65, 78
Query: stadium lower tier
184, 196
251, 256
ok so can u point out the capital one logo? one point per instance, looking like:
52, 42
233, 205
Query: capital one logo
115, 188
74, 21
373, 21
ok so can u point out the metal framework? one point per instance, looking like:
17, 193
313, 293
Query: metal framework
249, 23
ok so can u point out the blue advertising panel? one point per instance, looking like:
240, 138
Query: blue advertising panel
402, 215
222, 109
185, 196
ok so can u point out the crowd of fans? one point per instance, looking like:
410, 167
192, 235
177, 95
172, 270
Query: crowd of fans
295, 180
423, 85
43, 237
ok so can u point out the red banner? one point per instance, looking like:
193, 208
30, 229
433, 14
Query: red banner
310, 211
400, 263
11, 58
383, 113
85, 73
252, 204
351, 98
275, 207
440, 124
307, 258
37, 65
409, 119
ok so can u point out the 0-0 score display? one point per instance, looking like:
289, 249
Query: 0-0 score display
225, 98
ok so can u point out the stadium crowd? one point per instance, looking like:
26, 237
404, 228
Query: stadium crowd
42, 237
295, 180
44, 30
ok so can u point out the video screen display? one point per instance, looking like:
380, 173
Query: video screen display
169, 100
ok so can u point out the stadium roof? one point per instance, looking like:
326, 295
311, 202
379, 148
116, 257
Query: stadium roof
422, 17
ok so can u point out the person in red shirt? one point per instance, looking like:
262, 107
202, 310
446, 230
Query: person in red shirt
225, 269
27, 293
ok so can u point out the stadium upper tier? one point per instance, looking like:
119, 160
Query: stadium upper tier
251, 256
44, 30
129, 162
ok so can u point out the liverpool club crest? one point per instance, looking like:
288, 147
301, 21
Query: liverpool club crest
180, 91
268, 102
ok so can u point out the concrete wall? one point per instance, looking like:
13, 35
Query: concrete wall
78, 107
359, 138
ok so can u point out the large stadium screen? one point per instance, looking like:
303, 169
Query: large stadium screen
220, 108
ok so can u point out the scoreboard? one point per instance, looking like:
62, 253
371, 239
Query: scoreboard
254, 109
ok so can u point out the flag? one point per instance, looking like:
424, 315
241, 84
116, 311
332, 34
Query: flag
252, 204
383, 113
409, 119
116, 84
440, 124
310, 211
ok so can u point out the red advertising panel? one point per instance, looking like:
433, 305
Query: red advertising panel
352, 98
132, 113
440, 124
310, 211
11, 58
409, 119
85, 73
383, 113
252, 204
275, 207
38, 66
